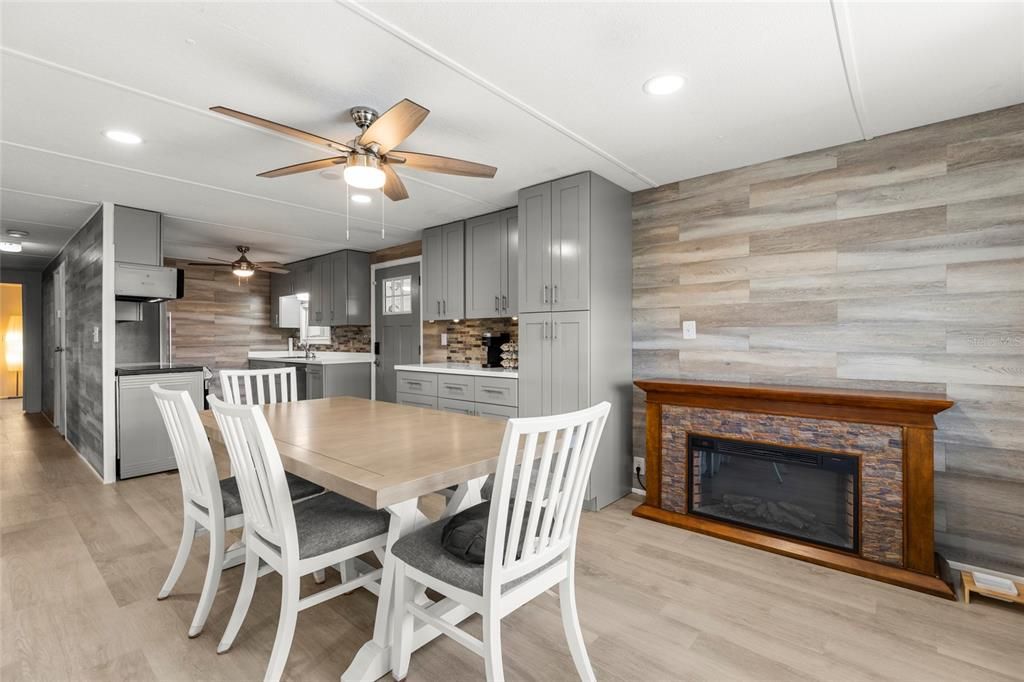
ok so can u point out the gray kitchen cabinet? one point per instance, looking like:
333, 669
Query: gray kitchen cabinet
444, 283
509, 261
280, 285
570, 243
554, 236
483, 396
491, 257
137, 236
301, 276
535, 249
320, 291
337, 264
534, 365
314, 382
358, 287
575, 310
457, 406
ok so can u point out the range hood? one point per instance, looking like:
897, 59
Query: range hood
147, 283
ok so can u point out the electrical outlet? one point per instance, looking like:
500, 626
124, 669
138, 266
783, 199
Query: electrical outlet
690, 329
95, 334
444, 339
640, 462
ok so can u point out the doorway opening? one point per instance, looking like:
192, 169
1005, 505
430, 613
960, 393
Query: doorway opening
397, 329
12, 322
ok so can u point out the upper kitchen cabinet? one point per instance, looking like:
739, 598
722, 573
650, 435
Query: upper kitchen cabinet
319, 290
280, 285
444, 283
492, 246
302, 276
338, 285
555, 236
137, 236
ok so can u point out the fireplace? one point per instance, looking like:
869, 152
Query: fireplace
804, 494
840, 478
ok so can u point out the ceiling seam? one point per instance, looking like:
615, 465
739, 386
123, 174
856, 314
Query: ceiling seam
208, 113
201, 184
848, 58
264, 231
49, 196
471, 75
36, 223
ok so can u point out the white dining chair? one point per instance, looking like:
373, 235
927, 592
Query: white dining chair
297, 540
209, 503
530, 544
259, 386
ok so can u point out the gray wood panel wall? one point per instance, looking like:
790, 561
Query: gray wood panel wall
894, 264
83, 357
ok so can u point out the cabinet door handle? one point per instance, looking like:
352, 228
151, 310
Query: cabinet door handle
444, 305
546, 294
545, 333
555, 289
554, 329
438, 307
504, 302
497, 300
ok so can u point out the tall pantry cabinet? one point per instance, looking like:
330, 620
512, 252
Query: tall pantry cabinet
575, 287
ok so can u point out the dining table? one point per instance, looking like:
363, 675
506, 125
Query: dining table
385, 456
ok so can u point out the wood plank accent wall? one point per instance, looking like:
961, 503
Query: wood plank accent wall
895, 263
220, 320
407, 250
83, 357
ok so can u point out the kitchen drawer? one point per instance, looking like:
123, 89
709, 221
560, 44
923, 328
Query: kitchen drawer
499, 411
455, 386
414, 400
419, 383
497, 391
460, 406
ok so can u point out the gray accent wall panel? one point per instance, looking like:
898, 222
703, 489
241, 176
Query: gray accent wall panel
83, 271
895, 263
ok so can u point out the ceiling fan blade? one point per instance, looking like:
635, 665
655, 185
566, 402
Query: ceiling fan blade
283, 129
303, 167
394, 125
270, 264
209, 265
220, 260
267, 268
442, 164
393, 188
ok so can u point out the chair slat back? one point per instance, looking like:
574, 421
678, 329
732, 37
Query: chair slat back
555, 455
197, 470
259, 386
257, 465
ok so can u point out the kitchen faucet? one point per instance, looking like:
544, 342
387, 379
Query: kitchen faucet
310, 353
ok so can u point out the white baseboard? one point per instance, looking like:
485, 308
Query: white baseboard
638, 491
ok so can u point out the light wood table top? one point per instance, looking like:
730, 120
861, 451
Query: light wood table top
377, 453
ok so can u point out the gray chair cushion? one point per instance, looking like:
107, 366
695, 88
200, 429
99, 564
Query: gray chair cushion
328, 522
297, 486
422, 549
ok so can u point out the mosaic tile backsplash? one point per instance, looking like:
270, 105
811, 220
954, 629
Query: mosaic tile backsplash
463, 339
348, 339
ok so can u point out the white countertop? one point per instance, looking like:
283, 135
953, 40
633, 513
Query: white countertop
460, 368
322, 358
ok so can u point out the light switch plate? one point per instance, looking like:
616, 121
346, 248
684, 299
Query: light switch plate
690, 329
444, 339
95, 334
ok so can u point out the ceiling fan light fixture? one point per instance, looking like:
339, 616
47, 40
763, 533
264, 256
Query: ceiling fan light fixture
242, 272
363, 172
10, 247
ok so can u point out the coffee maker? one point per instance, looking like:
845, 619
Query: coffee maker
492, 344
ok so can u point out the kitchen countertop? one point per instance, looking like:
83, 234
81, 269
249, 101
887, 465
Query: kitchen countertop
131, 369
459, 368
322, 358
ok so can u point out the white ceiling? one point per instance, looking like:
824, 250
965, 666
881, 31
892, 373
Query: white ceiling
539, 90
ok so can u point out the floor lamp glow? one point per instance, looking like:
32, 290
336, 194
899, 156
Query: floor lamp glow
13, 350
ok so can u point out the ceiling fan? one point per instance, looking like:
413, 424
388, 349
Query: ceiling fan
243, 267
371, 157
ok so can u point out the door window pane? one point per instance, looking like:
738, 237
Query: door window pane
398, 295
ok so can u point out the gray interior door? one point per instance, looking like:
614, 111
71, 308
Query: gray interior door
397, 330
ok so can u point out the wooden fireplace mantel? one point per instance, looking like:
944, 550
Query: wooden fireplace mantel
913, 413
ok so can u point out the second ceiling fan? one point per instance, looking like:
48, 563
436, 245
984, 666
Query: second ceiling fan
370, 159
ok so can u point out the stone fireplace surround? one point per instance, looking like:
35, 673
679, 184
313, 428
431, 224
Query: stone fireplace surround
890, 433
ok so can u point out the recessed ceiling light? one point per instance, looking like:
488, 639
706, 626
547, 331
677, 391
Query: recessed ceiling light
330, 175
123, 136
20, 234
10, 247
665, 84
361, 198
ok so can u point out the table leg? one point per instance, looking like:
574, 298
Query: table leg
373, 660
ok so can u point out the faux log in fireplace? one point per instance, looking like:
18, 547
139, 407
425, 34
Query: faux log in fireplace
836, 477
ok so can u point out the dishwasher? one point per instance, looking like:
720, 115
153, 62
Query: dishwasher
143, 446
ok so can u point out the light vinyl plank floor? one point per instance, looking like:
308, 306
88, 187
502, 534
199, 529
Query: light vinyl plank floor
81, 563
